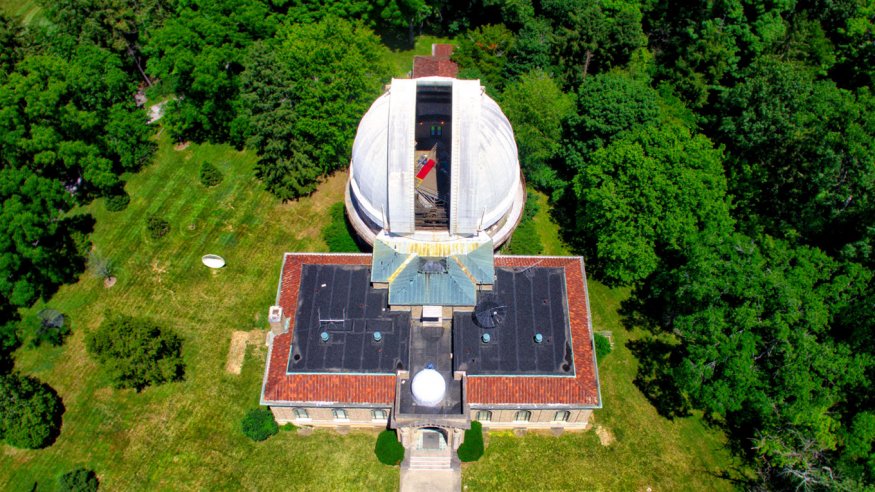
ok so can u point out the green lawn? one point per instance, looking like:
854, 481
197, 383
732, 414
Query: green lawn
185, 435
27, 10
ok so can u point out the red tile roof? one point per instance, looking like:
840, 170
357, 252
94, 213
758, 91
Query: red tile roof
442, 50
580, 390
438, 64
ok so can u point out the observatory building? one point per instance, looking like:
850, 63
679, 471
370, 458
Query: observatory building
432, 329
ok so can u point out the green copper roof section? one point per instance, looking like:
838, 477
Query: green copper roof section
480, 263
416, 286
385, 261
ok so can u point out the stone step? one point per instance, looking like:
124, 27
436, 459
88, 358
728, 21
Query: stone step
430, 462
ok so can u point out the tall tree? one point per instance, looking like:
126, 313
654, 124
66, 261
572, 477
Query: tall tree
537, 107
199, 54
803, 153
302, 97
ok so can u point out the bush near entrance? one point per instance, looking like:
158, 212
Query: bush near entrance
388, 450
472, 447
259, 424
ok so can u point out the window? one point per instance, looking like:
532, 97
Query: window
340, 414
484, 415
522, 416
437, 130
301, 413
561, 416
379, 414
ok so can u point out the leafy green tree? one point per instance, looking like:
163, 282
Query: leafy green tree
30, 412
10, 40
537, 107
136, 353
754, 319
302, 98
804, 145
648, 192
199, 54
483, 53
592, 37
117, 25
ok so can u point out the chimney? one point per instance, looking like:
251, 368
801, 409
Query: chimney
278, 322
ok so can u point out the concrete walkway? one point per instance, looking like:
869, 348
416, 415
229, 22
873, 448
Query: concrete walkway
447, 480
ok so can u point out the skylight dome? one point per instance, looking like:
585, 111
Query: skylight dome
428, 388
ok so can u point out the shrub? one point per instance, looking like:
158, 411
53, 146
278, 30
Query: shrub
79, 480
472, 447
157, 226
30, 412
135, 352
210, 175
336, 234
259, 424
117, 202
288, 427
602, 347
388, 450
51, 328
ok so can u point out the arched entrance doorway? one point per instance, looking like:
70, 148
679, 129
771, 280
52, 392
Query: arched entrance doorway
430, 439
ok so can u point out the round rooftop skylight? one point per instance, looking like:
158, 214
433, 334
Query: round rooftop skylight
428, 388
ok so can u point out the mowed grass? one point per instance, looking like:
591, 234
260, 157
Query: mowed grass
27, 11
186, 435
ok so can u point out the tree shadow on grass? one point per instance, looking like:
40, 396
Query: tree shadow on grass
655, 378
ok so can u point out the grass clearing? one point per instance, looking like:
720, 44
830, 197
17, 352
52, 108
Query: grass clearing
186, 435
26, 10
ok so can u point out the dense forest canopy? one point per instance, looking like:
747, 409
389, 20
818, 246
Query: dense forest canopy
718, 157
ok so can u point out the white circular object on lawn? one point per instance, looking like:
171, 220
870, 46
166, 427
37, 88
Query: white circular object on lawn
213, 261
428, 387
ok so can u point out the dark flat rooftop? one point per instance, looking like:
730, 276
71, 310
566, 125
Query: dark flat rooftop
531, 300
339, 300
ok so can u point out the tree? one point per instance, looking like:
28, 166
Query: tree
78, 480
117, 25
753, 318
483, 53
136, 353
649, 192
536, 107
199, 54
803, 144
302, 98
592, 37
30, 412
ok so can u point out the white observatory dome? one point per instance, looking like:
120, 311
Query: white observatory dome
428, 388
481, 186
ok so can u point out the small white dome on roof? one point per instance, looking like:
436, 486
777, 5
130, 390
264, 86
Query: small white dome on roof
428, 388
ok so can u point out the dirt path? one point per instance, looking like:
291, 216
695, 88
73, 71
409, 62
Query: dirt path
605, 436
237, 350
